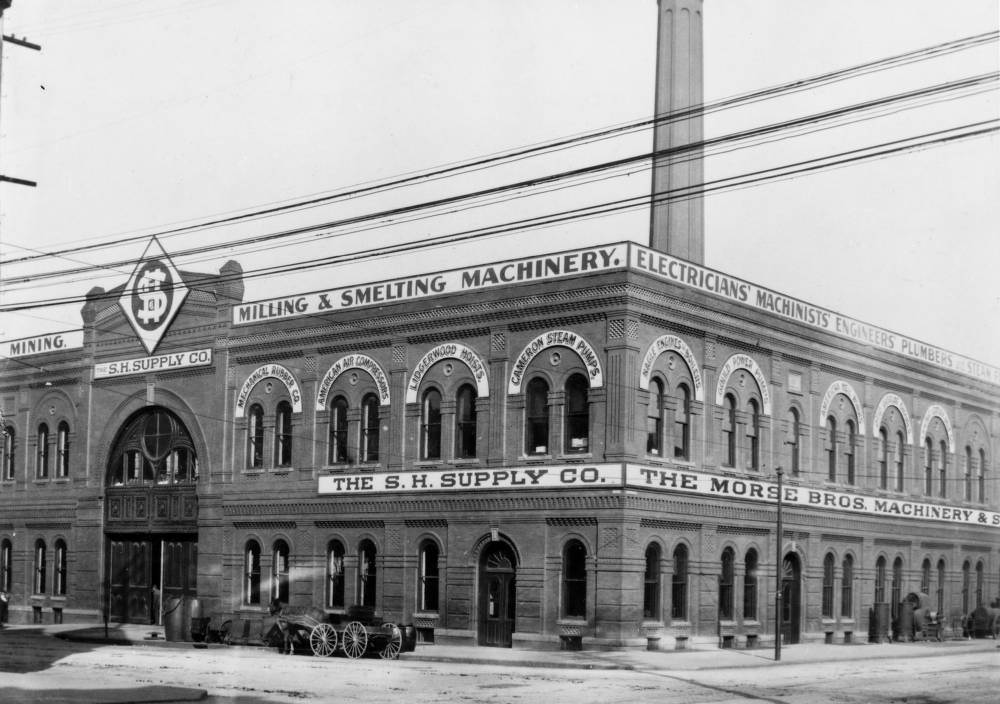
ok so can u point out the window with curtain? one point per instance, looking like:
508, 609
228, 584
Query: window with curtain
537, 417
982, 476
678, 584
943, 470
880, 581
59, 584
651, 583
9, 444
897, 586
827, 603
337, 452
41, 580
251, 574
283, 435
465, 422
367, 573
750, 585
430, 425
335, 575
682, 423
847, 587
654, 419
849, 451
62, 450
925, 576
883, 458
968, 473
900, 461
940, 586
794, 436
577, 414
370, 428
753, 435
429, 576
42, 457
726, 585
831, 449
729, 429
280, 572
6, 565
928, 467
574, 580
255, 437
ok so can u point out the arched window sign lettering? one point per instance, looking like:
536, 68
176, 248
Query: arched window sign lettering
743, 361
557, 338
269, 371
671, 343
449, 350
896, 402
353, 361
841, 387
938, 411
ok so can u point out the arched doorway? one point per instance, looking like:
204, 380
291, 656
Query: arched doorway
151, 520
497, 595
791, 598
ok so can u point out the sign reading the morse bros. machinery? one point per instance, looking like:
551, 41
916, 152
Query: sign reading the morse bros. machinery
668, 480
545, 268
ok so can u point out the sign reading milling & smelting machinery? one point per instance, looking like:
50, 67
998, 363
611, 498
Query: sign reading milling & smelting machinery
669, 480
153, 295
158, 363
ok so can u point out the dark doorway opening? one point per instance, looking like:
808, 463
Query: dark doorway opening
497, 595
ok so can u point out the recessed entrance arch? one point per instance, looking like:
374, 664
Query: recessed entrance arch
151, 521
497, 595
791, 598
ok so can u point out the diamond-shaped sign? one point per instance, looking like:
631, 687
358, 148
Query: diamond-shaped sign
153, 295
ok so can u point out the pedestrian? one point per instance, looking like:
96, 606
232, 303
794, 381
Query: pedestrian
4, 599
156, 605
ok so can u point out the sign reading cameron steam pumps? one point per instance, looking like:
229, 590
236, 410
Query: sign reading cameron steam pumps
153, 295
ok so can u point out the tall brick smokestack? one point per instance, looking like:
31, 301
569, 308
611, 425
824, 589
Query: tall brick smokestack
677, 227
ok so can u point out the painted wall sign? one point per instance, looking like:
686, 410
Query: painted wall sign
693, 276
269, 371
746, 488
671, 343
153, 295
42, 344
743, 361
938, 411
353, 361
159, 363
896, 402
449, 350
556, 338
543, 268
557, 477
841, 387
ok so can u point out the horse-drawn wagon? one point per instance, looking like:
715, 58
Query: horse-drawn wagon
355, 635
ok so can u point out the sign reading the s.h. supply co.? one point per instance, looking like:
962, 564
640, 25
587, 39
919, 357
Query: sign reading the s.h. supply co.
158, 363
556, 477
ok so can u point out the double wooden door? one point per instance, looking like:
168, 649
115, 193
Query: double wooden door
145, 572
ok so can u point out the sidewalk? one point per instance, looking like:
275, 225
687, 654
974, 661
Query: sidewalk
689, 660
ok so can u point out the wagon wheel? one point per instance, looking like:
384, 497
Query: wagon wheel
354, 640
323, 640
394, 644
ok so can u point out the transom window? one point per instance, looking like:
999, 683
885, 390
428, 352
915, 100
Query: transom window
153, 447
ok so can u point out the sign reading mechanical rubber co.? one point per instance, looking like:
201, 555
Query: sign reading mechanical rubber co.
544, 268
557, 477
157, 363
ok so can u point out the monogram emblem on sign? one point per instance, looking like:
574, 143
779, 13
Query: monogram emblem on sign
153, 295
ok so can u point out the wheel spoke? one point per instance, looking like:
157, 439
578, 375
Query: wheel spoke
395, 642
355, 640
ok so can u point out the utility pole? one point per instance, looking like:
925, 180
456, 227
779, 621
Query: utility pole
777, 576
7, 38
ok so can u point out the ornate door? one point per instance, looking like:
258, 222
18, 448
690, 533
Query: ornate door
791, 596
497, 596
130, 589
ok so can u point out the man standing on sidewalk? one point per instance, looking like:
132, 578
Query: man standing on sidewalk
4, 598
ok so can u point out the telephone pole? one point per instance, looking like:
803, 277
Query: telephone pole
7, 38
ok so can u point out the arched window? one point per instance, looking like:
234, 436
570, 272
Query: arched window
40, 576
831, 449
335, 575
847, 587
982, 476
682, 424
153, 447
750, 586
42, 461
729, 429
369, 428
577, 414
726, 585
62, 450
849, 451
880, 580
429, 576
338, 431
280, 587
794, 436
465, 422
943, 470
6, 566
883, 458
251, 574
828, 563
979, 583
255, 437
940, 586
968, 473
9, 443
678, 584
574, 580
966, 585
536, 441
430, 426
928, 467
925, 576
654, 419
753, 435
283, 436
651, 583
900, 461
59, 585
367, 573
897, 586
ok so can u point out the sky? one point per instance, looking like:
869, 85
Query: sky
139, 116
